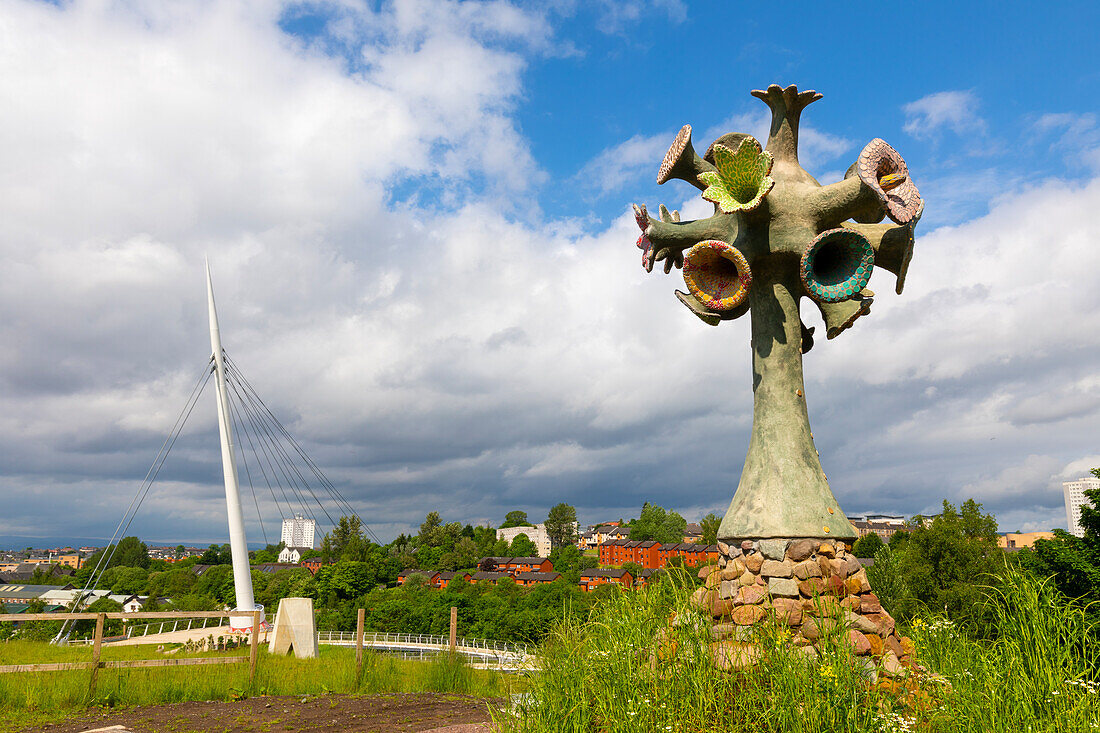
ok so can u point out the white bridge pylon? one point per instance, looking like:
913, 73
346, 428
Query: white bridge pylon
242, 573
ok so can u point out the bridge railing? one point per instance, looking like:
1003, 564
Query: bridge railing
372, 638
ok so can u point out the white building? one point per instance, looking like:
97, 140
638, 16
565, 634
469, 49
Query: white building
1074, 492
292, 555
299, 532
536, 534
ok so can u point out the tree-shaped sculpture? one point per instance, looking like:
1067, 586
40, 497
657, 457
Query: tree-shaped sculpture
776, 236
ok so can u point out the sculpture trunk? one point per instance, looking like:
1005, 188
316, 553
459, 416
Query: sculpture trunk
783, 491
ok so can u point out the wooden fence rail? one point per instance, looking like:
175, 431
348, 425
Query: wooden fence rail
100, 619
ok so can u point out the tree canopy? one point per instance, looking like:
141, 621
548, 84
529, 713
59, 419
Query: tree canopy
656, 524
561, 525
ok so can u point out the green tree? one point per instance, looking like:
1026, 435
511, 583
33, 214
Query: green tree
656, 524
270, 553
466, 554
1072, 562
710, 525
868, 545
345, 542
515, 518
431, 530
125, 580
944, 563
217, 555
561, 525
522, 546
131, 552
180, 550
46, 576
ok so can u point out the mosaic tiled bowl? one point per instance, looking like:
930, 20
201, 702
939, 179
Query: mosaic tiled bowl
837, 265
717, 274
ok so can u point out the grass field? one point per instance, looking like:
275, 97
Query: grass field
1038, 675
46, 696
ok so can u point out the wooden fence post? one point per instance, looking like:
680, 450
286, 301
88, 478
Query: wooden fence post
454, 628
253, 653
359, 641
97, 646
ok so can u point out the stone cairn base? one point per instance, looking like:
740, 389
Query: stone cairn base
815, 587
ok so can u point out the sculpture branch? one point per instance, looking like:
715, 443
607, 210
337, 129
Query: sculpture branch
893, 246
847, 199
786, 106
678, 236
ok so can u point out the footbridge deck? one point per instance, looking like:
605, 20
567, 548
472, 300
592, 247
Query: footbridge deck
483, 653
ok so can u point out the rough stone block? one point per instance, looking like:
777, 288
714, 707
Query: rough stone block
733, 656
893, 645
853, 563
891, 666
727, 588
747, 578
713, 578
776, 569
811, 587
825, 565
800, 550
858, 582
877, 647
860, 645
746, 546
294, 629
749, 595
773, 549
747, 615
806, 569
721, 607
753, 562
869, 603
733, 570
885, 622
727, 630
723, 548
705, 571
815, 628
783, 587
850, 602
700, 599
826, 549
835, 586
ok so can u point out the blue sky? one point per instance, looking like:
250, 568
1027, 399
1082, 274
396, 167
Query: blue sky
417, 214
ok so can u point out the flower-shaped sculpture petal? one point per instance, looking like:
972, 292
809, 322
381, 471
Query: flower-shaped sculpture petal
641, 216
883, 169
741, 181
837, 265
675, 152
717, 274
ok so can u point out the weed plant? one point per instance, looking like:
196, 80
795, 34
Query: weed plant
643, 663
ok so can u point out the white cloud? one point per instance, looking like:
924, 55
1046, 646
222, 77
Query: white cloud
1078, 137
953, 110
630, 159
436, 352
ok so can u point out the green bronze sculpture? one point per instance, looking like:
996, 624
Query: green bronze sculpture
776, 236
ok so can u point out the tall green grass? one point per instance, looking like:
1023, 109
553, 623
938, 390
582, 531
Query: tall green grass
49, 695
642, 663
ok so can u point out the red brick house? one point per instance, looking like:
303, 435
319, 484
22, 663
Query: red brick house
527, 579
592, 579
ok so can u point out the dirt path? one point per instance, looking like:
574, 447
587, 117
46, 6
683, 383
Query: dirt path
443, 713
